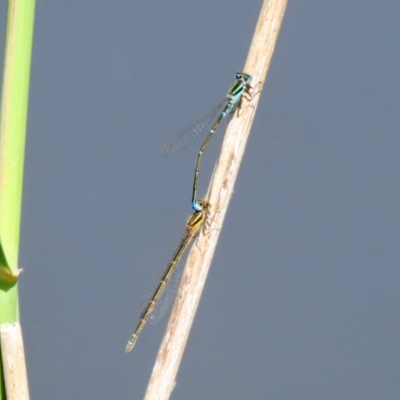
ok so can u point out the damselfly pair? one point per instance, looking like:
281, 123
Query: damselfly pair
226, 107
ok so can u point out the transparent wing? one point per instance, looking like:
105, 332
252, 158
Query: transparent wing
188, 135
166, 299
168, 294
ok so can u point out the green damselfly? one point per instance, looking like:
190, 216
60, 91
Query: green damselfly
193, 225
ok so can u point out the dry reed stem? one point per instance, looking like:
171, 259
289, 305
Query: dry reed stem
262, 47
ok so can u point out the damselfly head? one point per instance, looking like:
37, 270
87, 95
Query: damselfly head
204, 205
241, 76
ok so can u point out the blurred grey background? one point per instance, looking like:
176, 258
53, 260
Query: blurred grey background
302, 301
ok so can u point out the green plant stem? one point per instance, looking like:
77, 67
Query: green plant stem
13, 117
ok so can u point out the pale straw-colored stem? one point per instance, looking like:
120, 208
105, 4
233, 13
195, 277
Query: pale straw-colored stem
13, 356
262, 47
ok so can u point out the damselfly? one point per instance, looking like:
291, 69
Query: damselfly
223, 108
192, 227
